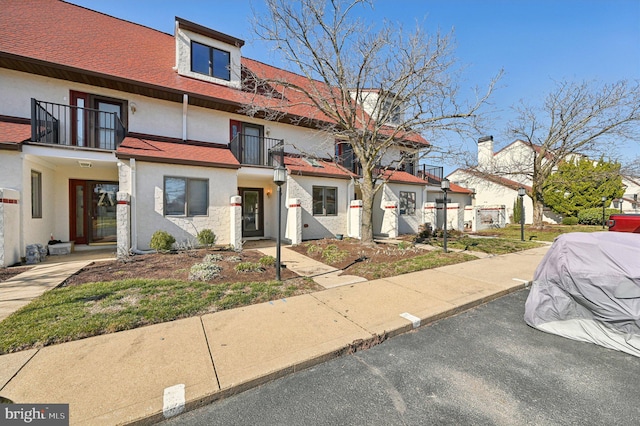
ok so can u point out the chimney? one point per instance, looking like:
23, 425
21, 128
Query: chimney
485, 153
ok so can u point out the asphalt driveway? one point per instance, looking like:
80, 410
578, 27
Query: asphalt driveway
482, 367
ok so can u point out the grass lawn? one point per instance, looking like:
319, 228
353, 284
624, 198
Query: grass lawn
79, 311
72, 313
548, 233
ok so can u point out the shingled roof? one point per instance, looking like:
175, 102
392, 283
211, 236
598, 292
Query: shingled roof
44, 37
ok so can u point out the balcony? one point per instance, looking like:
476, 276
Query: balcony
69, 125
257, 150
432, 174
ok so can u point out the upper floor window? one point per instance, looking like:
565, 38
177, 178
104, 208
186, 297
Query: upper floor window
185, 197
210, 61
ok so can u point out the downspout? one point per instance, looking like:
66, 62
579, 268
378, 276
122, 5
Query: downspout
185, 104
350, 190
134, 227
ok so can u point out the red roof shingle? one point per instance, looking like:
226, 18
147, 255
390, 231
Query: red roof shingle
12, 132
114, 48
176, 153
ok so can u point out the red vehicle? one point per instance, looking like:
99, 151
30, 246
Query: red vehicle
624, 223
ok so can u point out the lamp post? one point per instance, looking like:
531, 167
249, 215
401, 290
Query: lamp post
444, 184
521, 194
279, 178
604, 199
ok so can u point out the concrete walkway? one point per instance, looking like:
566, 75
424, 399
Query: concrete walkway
20, 290
147, 374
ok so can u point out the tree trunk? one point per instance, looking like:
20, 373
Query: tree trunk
367, 189
538, 206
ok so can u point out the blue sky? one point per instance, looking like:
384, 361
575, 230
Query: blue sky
534, 41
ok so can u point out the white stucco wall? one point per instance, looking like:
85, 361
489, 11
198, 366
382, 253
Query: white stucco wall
314, 227
149, 196
491, 194
183, 47
407, 224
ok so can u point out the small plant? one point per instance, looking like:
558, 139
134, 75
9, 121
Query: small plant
234, 259
570, 220
248, 267
404, 245
204, 272
332, 254
425, 232
267, 261
313, 249
162, 241
211, 258
206, 237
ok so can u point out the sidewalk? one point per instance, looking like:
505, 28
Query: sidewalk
143, 375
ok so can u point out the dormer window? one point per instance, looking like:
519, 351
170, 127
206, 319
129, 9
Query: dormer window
207, 55
210, 61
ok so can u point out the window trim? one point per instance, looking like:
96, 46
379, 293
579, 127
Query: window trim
407, 211
36, 195
324, 200
212, 68
186, 209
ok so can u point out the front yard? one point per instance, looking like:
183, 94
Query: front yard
112, 296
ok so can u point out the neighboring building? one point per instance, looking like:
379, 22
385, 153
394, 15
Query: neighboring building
498, 176
111, 131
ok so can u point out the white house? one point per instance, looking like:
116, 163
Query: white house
112, 131
499, 175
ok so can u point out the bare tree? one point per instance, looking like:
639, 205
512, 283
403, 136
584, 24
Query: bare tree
372, 85
575, 119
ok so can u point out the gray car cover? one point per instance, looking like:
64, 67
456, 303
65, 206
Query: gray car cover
587, 288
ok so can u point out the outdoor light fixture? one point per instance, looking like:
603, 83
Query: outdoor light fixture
445, 186
604, 199
279, 178
521, 194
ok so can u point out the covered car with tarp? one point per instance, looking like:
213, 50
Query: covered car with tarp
587, 288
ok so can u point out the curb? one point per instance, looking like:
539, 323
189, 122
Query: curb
351, 348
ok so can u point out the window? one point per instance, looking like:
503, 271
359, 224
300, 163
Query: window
407, 203
36, 194
185, 197
324, 201
210, 61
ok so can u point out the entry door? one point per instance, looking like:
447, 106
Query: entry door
252, 149
252, 212
93, 211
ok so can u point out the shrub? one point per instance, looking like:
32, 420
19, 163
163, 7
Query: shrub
594, 216
570, 220
425, 232
211, 258
204, 271
162, 241
206, 237
248, 267
333, 254
267, 261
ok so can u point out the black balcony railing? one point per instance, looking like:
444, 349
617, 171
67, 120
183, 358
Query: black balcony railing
432, 174
74, 126
257, 150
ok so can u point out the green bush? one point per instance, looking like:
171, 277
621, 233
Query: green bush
162, 241
248, 267
570, 220
267, 261
206, 237
594, 216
